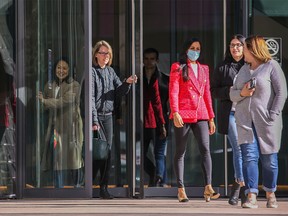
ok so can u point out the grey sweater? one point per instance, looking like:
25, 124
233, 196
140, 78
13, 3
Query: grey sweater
263, 108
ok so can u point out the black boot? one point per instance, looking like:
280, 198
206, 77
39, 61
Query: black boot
104, 194
242, 195
234, 195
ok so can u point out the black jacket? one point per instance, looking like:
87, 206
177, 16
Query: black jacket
221, 82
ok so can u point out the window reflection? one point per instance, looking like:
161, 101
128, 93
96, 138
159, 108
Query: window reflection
62, 153
54, 66
7, 101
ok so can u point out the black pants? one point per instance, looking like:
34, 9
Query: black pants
106, 121
201, 132
149, 167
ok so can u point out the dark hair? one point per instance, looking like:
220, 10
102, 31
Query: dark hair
183, 56
228, 56
151, 50
69, 78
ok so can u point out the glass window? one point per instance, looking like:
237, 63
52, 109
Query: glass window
7, 99
167, 33
54, 67
270, 20
109, 23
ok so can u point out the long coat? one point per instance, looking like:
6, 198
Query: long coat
263, 108
221, 82
65, 127
191, 99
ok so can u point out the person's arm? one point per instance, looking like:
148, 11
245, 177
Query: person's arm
121, 88
95, 123
208, 102
279, 86
207, 94
218, 89
240, 89
69, 93
157, 108
175, 76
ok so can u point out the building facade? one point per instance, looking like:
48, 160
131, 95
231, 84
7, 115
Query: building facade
34, 34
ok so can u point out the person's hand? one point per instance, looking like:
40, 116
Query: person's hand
246, 92
132, 79
96, 127
40, 96
177, 119
212, 127
163, 132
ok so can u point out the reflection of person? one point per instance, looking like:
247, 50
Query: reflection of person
64, 149
106, 87
259, 118
191, 108
221, 83
153, 115
7, 130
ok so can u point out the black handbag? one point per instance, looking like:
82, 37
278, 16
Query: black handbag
101, 147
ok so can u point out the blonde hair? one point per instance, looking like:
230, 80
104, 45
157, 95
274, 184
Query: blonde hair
258, 48
96, 49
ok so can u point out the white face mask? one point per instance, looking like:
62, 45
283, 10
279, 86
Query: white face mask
193, 55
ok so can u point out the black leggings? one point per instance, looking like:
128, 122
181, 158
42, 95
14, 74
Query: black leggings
201, 132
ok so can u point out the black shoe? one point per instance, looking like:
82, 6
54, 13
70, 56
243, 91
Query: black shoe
104, 194
234, 195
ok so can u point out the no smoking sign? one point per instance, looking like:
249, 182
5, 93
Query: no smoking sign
275, 48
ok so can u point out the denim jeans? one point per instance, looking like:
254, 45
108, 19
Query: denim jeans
251, 154
236, 150
160, 158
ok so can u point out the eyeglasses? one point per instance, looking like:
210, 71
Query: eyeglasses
237, 45
103, 53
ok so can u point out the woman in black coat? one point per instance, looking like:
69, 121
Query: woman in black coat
221, 82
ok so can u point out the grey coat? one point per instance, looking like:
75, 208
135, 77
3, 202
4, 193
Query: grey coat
263, 108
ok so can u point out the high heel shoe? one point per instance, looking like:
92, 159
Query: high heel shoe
182, 197
209, 193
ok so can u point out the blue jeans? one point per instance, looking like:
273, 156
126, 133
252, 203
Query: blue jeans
251, 154
237, 156
160, 158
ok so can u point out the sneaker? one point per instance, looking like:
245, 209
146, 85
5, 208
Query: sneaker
251, 201
272, 202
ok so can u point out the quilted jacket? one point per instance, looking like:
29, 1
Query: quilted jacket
192, 98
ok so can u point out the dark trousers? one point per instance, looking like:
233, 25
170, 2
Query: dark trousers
106, 121
201, 132
149, 167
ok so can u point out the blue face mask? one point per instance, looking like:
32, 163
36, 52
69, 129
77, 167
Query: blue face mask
193, 55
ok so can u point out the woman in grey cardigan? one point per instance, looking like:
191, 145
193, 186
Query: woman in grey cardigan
258, 117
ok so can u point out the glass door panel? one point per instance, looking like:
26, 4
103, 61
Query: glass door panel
7, 100
54, 69
263, 14
167, 33
110, 23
